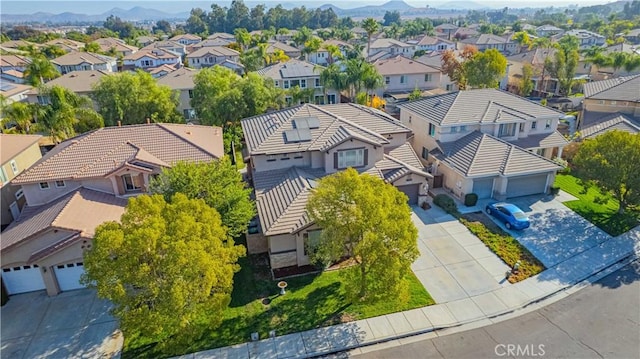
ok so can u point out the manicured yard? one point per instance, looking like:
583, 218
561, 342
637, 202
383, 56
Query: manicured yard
600, 210
503, 245
312, 301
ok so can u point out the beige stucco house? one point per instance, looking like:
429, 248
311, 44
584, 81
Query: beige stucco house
181, 80
289, 150
403, 75
82, 183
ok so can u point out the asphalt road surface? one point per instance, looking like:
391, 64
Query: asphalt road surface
601, 321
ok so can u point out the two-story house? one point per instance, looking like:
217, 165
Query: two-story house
84, 61
12, 68
486, 141
181, 80
186, 39
66, 45
607, 99
17, 153
168, 45
392, 47
144, 40
322, 57
110, 44
12, 92
632, 37
292, 52
291, 149
150, 58
78, 82
82, 183
432, 43
504, 44
548, 30
403, 75
446, 30
586, 38
217, 55
305, 75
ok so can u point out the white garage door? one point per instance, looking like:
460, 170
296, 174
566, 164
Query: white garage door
526, 185
68, 276
22, 279
483, 187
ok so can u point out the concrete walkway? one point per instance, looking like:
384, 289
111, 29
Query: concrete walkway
471, 305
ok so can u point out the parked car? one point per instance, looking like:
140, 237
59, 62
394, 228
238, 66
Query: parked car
509, 214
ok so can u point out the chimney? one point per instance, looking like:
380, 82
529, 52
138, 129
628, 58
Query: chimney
119, 123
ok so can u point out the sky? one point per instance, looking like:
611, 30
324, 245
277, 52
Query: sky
99, 6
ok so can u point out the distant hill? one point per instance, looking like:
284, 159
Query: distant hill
371, 10
134, 14
462, 5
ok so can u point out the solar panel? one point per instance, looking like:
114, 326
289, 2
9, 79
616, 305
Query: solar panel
7, 87
297, 135
306, 122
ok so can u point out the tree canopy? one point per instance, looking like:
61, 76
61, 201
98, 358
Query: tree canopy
368, 220
611, 161
167, 268
218, 183
40, 70
135, 97
485, 69
564, 63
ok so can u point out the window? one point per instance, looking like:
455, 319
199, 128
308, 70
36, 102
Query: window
60, 184
319, 100
285, 156
425, 153
318, 83
298, 155
521, 129
303, 84
547, 124
403, 79
454, 129
540, 152
311, 240
3, 176
351, 158
190, 93
286, 84
449, 87
387, 80
432, 130
614, 102
271, 158
507, 130
277, 83
601, 102
331, 99
19, 193
533, 125
294, 83
463, 128
131, 183
427, 77
44, 185
14, 167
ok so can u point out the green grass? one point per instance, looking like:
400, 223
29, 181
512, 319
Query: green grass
503, 245
599, 209
311, 301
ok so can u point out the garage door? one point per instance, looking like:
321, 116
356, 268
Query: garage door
483, 187
22, 279
411, 191
68, 276
526, 185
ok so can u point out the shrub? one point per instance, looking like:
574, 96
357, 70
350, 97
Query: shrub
445, 202
554, 190
470, 199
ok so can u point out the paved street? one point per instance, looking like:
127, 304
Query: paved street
73, 324
601, 321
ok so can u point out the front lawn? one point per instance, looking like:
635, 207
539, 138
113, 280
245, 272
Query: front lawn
312, 301
601, 210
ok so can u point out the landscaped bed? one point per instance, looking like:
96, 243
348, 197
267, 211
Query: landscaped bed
311, 301
599, 209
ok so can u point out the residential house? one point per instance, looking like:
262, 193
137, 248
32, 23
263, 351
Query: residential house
431, 43
222, 35
322, 56
291, 149
613, 96
82, 183
66, 44
403, 75
303, 74
17, 153
632, 37
14, 62
504, 44
181, 80
159, 71
186, 39
615, 121
391, 46
212, 56
144, 41
446, 30
465, 32
548, 30
292, 52
601, 73
13, 92
434, 59
486, 141
168, 45
360, 32
19, 44
84, 61
78, 82
13, 76
586, 38
534, 58
117, 46
151, 58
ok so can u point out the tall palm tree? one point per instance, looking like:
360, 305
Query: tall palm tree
39, 70
632, 63
334, 53
19, 114
371, 79
312, 45
371, 26
333, 77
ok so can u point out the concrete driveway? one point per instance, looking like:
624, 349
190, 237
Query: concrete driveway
74, 324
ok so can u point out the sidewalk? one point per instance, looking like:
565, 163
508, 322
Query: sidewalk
470, 310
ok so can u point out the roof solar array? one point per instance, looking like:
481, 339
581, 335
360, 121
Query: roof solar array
297, 135
306, 122
7, 87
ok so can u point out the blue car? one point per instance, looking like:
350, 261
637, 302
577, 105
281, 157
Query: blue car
510, 214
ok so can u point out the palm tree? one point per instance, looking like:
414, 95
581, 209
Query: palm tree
312, 45
371, 26
334, 53
632, 63
243, 38
333, 77
19, 114
39, 70
371, 79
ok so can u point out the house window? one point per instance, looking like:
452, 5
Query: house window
454, 129
303, 84
463, 128
286, 84
317, 82
14, 167
449, 87
285, 156
294, 83
425, 153
427, 77
44, 185
432, 130
601, 102
311, 240
547, 124
3, 176
540, 152
351, 158
507, 130
331, 99
277, 83
131, 183
521, 127
403, 79
190, 93
614, 102
19, 193
60, 184
387, 80
319, 100
271, 158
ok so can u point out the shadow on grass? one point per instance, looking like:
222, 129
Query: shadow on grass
612, 222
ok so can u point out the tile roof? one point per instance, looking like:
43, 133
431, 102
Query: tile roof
213, 50
384, 43
80, 211
479, 154
338, 43
544, 140
221, 35
180, 79
582, 34
13, 145
66, 44
401, 65
478, 106
77, 81
272, 46
14, 61
165, 44
154, 53
14, 44
619, 88
293, 68
487, 39
265, 134
615, 121
119, 45
98, 153
10, 89
77, 58
186, 36
212, 43
534, 57
432, 40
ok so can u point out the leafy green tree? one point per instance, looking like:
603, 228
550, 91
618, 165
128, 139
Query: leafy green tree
238, 15
166, 267
303, 35
218, 183
196, 22
92, 47
312, 45
416, 94
368, 220
563, 65
522, 38
332, 77
526, 83
453, 65
243, 38
39, 71
132, 98
52, 51
485, 69
371, 26
391, 17
17, 117
611, 162
162, 25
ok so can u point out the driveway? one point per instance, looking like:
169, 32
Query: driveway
74, 324
453, 264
